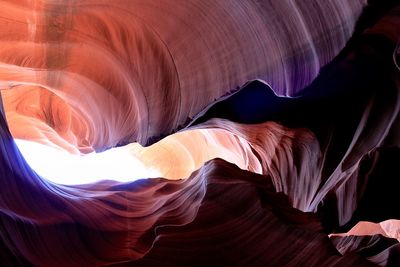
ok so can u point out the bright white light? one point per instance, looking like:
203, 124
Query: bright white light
61, 167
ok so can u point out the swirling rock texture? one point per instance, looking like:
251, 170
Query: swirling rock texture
274, 124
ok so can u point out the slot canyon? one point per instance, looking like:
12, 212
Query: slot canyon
199, 133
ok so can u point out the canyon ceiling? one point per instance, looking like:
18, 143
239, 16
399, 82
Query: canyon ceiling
199, 133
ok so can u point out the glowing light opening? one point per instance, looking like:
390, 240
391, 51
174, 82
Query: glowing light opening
64, 168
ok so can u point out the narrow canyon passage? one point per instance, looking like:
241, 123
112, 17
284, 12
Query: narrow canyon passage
199, 133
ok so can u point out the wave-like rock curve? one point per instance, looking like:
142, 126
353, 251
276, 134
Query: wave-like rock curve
84, 76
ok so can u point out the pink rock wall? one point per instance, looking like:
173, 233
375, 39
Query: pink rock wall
313, 184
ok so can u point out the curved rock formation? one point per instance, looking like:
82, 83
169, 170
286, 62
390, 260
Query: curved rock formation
133, 70
274, 125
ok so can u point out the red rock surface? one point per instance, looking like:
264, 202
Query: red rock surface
297, 168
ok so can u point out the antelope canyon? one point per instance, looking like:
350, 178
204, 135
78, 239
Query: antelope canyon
199, 133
